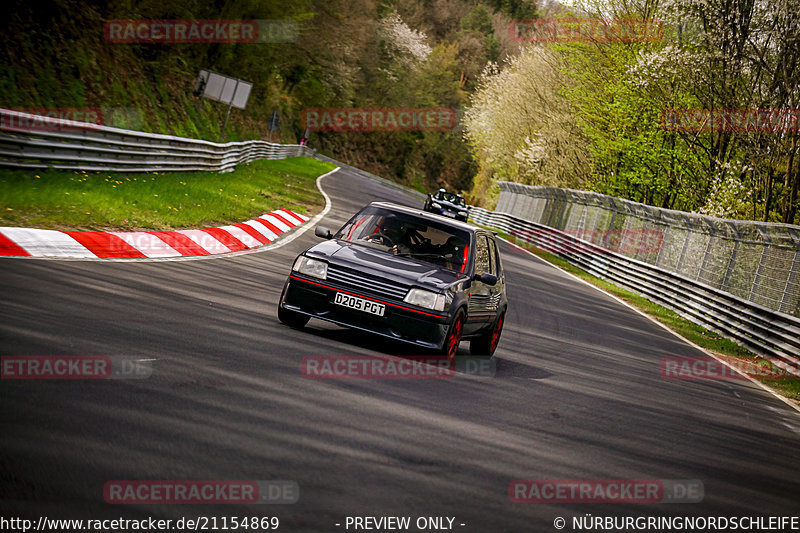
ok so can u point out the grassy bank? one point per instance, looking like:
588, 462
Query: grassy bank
55, 199
788, 386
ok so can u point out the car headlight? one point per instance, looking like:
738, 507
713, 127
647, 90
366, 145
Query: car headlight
436, 206
426, 299
311, 267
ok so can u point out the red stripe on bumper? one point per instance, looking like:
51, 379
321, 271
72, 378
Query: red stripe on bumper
367, 298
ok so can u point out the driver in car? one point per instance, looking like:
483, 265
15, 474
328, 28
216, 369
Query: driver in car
392, 232
453, 252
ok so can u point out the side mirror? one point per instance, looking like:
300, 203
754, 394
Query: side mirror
488, 279
322, 231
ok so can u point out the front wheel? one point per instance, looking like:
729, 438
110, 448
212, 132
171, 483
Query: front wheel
454, 333
487, 343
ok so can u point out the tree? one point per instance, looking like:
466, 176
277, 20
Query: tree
520, 128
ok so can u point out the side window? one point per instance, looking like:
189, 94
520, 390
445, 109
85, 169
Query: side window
482, 260
494, 268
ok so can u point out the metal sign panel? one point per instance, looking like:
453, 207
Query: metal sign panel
224, 89
242, 94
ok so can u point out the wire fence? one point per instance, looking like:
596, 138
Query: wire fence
772, 334
756, 261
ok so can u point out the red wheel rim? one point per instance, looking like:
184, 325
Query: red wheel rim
454, 339
498, 328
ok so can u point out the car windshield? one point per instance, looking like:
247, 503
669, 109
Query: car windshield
452, 198
410, 236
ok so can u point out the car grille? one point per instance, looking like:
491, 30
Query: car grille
366, 283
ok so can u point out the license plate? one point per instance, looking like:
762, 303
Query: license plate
354, 302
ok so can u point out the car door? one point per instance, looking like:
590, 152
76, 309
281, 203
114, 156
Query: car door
480, 295
497, 291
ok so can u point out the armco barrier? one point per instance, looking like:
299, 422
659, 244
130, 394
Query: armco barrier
764, 331
31, 141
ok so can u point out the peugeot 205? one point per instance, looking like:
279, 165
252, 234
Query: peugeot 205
404, 274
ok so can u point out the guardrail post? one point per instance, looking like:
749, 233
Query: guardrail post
757, 277
732, 259
790, 282
707, 251
685, 244
581, 228
664, 234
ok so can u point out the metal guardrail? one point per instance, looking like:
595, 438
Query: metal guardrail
33, 141
766, 332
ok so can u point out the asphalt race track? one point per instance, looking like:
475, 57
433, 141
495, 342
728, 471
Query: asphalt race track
578, 395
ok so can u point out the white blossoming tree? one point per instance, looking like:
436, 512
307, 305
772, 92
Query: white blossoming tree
520, 128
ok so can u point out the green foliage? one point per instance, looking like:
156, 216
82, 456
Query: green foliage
478, 20
515, 9
54, 199
54, 54
612, 96
521, 128
633, 156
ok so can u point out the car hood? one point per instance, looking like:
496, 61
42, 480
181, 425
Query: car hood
405, 270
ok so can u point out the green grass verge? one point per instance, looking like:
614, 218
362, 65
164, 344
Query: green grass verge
709, 340
57, 199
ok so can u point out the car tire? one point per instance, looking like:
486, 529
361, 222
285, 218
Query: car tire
292, 319
454, 332
486, 344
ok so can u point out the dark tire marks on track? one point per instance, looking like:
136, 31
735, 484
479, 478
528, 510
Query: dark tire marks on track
578, 395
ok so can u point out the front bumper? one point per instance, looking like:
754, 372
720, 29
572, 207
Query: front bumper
450, 213
400, 322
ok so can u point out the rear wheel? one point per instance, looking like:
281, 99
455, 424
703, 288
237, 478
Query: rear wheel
454, 335
487, 343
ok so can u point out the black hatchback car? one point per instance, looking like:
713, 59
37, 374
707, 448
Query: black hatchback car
403, 274
447, 204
